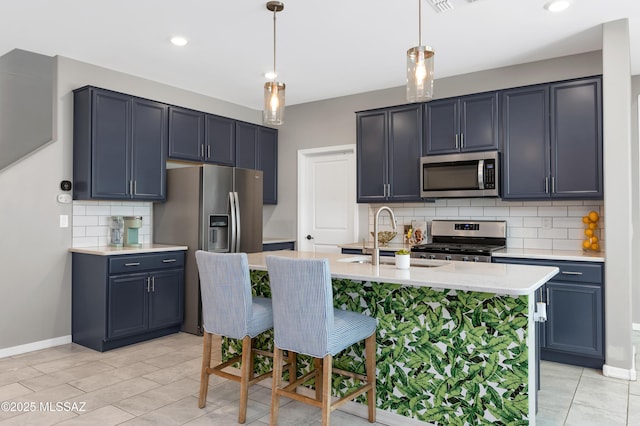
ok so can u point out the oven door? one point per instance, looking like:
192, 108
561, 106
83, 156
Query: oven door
459, 175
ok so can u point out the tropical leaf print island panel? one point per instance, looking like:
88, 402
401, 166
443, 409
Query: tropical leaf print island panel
445, 357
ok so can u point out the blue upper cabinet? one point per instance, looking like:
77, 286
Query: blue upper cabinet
196, 136
257, 148
389, 143
553, 141
119, 146
464, 124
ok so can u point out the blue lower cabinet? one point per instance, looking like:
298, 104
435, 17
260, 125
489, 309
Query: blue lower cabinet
284, 245
124, 299
574, 330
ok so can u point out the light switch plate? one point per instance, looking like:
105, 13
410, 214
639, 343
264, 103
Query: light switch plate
64, 221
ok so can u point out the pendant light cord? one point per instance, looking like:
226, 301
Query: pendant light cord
419, 22
275, 75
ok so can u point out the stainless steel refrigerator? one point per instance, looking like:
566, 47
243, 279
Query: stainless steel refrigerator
213, 208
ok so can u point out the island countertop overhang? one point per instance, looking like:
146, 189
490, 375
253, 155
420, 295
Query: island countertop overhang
505, 279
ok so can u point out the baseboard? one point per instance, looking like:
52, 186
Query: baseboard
35, 346
620, 373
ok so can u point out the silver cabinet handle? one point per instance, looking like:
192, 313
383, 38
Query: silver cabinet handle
553, 184
132, 264
202, 150
153, 284
457, 145
571, 273
169, 260
546, 185
208, 151
130, 187
135, 187
548, 298
461, 140
148, 284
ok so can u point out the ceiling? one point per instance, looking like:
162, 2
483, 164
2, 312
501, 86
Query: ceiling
325, 48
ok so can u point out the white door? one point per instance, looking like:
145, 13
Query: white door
327, 210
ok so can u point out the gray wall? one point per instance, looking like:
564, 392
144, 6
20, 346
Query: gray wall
36, 280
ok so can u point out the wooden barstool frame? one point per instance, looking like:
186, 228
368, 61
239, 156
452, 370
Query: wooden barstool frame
323, 368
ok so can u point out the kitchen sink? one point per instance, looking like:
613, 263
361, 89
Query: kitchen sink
387, 260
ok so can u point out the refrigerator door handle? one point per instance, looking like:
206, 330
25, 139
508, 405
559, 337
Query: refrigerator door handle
238, 222
234, 221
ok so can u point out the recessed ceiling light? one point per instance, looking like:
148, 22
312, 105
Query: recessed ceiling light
557, 5
179, 41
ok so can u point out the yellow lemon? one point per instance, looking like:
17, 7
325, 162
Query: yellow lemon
593, 216
585, 219
586, 244
593, 225
588, 232
595, 246
594, 239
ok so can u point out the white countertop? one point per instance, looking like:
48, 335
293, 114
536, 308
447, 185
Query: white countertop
577, 255
111, 251
513, 280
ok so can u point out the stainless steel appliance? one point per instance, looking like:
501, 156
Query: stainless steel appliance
469, 241
213, 208
468, 174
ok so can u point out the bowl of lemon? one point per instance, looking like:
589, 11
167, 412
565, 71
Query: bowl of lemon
591, 241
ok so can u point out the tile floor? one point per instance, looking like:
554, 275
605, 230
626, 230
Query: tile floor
157, 382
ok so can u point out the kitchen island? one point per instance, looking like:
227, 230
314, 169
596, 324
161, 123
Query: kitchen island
455, 341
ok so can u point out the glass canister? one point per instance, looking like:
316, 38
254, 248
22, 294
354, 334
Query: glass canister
591, 241
116, 230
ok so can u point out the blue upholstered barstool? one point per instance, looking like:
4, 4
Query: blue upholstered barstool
305, 322
228, 309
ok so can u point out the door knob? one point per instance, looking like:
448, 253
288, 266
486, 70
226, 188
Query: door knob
309, 237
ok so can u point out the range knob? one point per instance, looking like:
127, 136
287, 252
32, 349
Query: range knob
432, 256
465, 259
447, 257
476, 259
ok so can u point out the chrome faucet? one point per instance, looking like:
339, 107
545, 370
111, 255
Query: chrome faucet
375, 256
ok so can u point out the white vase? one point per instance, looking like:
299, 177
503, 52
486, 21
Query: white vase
403, 261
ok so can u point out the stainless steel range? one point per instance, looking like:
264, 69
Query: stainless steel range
469, 241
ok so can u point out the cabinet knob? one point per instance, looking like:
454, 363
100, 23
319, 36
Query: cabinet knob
309, 237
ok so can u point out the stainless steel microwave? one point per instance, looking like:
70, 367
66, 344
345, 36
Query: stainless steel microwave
469, 174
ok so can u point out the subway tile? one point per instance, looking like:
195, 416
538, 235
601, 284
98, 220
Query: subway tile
522, 232
484, 202
96, 231
517, 243
496, 211
446, 212
523, 211
79, 209
85, 242
552, 211
532, 222
425, 212
567, 222
98, 210
471, 211
529, 243
122, 210
514, 221
552, 233
459, 202
85, 221
567, 244
79, 231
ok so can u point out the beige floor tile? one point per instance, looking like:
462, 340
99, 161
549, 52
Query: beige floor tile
39, 418
175, 372
551, 417
13, 390
588, 415
117, 392
58, 377
158, 397
177, 413
634, 410
17, 374
602, 394
112, 376
296, 414
104, 416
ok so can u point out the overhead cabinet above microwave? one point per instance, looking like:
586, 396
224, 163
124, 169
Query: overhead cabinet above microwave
553, 141
464, 124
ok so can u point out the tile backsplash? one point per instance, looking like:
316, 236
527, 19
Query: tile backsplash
91, 220
553, 225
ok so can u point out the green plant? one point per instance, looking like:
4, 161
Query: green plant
402, 251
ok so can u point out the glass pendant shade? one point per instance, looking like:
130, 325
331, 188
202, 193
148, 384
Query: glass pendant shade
273, 110
420, 73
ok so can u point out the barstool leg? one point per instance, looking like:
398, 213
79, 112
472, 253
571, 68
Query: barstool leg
292, 357
276, 384
245, 375
204, 374
317, 364
370, 355
327, 365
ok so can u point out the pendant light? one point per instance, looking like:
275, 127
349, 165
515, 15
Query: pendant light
273, 110
420, 68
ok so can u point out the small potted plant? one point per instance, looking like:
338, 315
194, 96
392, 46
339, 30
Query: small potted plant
402, 259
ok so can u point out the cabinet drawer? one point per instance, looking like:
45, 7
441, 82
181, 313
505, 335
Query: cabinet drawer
583, 272
144, 262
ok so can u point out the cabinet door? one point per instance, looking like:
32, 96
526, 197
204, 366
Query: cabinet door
371, 145
111, 145
576, 139
525, 154
186, 134
441, 127
574, 318
246, 146
127, 305
149, 140
479, 122
268, 156
405, 147
166, 298
220, 143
